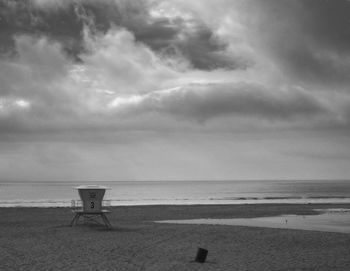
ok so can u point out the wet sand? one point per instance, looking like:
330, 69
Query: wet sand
329, 221
41, 239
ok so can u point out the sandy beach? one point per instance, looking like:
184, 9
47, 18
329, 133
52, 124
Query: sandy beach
41, 239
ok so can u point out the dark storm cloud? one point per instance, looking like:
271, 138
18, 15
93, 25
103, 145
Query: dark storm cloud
64, 22
23, 17
204, 50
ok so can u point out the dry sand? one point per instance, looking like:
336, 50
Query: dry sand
41, 239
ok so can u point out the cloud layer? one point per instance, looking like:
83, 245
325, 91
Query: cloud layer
89, 62
95, 71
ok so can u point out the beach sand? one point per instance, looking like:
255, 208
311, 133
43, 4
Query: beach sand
41, 239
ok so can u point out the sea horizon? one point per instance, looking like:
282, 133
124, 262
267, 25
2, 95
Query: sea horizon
170, 192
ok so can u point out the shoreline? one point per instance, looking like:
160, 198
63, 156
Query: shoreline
116, 203
34, 238
52, 194
322, 204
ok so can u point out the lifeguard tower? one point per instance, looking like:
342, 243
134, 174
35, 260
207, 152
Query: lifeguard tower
90, 204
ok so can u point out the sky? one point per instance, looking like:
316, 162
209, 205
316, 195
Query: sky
117, 90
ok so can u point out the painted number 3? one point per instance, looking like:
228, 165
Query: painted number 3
92, 205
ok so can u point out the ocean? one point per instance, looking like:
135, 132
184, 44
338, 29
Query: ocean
121, 193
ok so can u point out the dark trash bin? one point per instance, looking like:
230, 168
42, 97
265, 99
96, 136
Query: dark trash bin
201, 255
